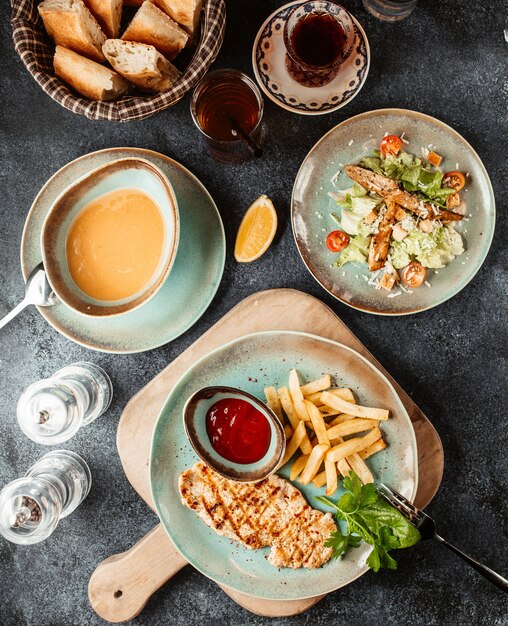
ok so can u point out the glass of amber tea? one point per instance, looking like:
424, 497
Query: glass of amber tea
225, 105
319, 36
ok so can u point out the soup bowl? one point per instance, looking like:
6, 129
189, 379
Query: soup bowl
133, 174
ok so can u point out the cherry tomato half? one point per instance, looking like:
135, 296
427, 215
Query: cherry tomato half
391, 144
454, 180
337, 240
413, 274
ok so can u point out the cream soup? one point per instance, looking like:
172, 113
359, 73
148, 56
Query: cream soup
115, 244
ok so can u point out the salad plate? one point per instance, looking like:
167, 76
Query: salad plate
251, 363
322, 203
268, 61
185, 294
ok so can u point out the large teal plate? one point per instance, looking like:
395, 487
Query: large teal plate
311, 209
188, 290
251, 363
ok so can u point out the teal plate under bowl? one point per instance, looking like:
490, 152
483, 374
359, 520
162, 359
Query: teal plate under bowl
186, 293
251, 363
312, 207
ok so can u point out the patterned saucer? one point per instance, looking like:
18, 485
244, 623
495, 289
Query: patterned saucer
268, 60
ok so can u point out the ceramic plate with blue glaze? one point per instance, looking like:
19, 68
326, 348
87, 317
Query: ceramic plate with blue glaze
186, 293
251, 363
322, 172
268, 61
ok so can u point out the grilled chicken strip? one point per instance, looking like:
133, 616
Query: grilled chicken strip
389, 189
377, 183
423, 209
269, 513
380, 241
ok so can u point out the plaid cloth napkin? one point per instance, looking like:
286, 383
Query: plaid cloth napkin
36, 51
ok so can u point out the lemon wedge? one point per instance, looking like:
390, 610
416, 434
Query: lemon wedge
256, 231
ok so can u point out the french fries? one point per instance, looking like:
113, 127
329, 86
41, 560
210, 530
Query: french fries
316, 385
350, 427
337, 403
375, 447
331, 478
343, 417
360, 468
334, 434
273, 401
294, 443
297, 396
318, 423
314, 463
345, 393
294, 420
298, 466
349, 447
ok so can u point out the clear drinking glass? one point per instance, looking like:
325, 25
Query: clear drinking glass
319, 37
390, 10
225, 105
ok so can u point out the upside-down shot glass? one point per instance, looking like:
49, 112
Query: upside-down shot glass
31, 507
227, 108
390, 10
319, 37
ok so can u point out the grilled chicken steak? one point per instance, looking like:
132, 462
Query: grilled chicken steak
268, 513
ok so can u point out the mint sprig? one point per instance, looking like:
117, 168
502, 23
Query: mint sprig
370, 518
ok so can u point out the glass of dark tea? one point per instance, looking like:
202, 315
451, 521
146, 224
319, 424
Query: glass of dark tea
227, 107
319, 37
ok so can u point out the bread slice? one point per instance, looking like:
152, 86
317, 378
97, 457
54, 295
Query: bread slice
185, 12
141, 64
88, 78
70, 24
152, 26
108, 13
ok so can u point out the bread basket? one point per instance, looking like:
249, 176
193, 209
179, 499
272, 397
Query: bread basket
36, 51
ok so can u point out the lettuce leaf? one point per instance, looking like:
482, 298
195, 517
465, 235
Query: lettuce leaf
355, 208
372, 163
399, 256
433, 250
412, 173
357, 251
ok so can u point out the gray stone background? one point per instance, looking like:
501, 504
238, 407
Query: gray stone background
449, 60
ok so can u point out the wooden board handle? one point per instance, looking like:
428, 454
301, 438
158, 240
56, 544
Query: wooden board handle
122, 584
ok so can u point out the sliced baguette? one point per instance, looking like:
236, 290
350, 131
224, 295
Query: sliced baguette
88, 78
141, 64
70, 24
108, 13
152, 26
185, 12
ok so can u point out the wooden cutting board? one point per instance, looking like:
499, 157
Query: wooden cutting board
122, 584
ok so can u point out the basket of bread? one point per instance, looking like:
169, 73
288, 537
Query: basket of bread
117, 60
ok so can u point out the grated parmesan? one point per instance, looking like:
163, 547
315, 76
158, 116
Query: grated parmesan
394, 295
427, 283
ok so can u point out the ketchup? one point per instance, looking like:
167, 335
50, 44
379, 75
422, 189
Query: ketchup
238, 431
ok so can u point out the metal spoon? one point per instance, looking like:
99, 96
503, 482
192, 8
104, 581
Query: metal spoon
37, 291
